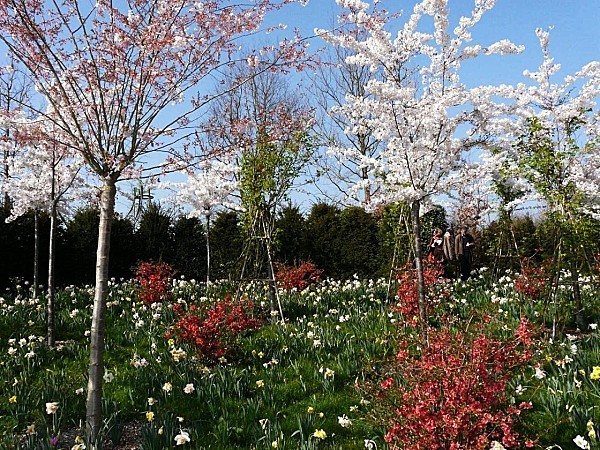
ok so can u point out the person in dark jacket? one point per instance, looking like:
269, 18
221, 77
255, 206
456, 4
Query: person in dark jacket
463, 249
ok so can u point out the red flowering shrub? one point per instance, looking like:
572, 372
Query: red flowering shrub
451, 394
154, 280
298, 277
213, 329
408, 294
532, 281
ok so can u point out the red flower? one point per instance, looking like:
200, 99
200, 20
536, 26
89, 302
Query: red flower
154, 281
213, 330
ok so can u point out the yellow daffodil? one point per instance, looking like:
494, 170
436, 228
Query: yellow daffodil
320, 434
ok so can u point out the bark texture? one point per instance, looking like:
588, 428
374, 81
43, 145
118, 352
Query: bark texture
96, 367
416, 222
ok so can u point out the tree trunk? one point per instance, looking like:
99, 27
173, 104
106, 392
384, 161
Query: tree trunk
36, 253
51, 290
416, 223
96, 367
208, 248
579, 319
367, 188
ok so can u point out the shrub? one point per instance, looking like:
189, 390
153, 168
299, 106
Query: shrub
214, 329
301, 277
451, 394
154, 281
532, 280
408, 294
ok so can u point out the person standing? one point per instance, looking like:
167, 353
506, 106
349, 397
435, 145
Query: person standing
436, 246
448, 247
463, 248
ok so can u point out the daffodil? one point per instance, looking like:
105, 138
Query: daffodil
320, 434
595, 375
182, 438
581, 442
344, 421
51, 407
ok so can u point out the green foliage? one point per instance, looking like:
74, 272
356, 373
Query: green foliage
358, 243
81, 243
155, 234
544, 164
189, 248
267, 172
504, 242
16, 244
291, 235
322, 237
395, 241
227, 240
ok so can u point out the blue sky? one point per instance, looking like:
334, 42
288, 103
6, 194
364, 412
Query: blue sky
574, 41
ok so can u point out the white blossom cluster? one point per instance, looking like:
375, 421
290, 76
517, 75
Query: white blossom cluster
440, 137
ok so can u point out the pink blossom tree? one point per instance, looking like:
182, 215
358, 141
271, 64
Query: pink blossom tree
124, 81
417, 106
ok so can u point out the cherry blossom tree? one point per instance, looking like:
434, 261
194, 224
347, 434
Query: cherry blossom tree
205, 191
123, 81
547, 152
44, 177
417, 106
346, 164
15, 91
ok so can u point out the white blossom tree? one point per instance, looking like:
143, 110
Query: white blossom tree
44, 176
205, 191
346, 164
417, 107
547, 151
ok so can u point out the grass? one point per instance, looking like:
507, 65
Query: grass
284, 381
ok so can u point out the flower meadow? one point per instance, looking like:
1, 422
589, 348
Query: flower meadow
208, 366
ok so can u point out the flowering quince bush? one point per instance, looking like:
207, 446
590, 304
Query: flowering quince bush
213, 329
290, 277
437, 291
532, 280
451, 394
154, 280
